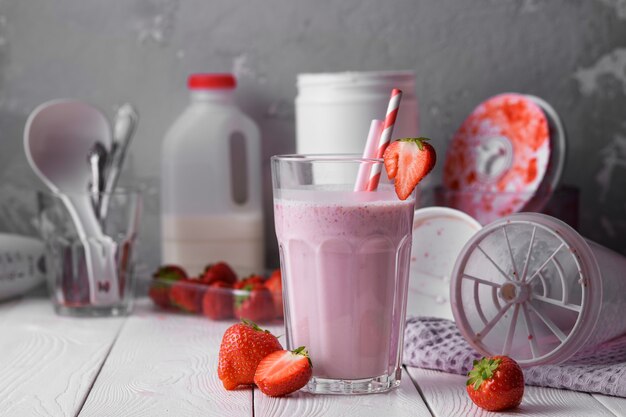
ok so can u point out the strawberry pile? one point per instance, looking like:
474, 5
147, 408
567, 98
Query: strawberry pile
218, 294
250, 355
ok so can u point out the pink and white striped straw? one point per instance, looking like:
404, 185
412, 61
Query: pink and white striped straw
385, 137
369, 153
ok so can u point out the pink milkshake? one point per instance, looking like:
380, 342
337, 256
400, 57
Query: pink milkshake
345, 260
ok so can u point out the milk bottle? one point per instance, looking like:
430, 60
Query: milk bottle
210, 182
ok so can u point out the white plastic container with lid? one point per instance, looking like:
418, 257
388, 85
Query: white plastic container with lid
334, 110
210, 182
530, 287
439, 234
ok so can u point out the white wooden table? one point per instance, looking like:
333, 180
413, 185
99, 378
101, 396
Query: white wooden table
156, 364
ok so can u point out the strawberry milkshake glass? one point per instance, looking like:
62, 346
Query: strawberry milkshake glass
345, 262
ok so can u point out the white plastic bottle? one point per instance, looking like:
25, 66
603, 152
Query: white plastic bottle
210, 182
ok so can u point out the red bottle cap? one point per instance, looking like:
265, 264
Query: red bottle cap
211, 81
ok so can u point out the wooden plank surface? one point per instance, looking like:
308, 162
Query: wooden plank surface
165, 365
48, 363
7, 305
615, 404
403, 401
446, 396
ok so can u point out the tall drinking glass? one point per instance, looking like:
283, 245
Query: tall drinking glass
345, 261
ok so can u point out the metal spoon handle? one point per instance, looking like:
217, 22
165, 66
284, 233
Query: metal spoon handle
125, 124
97, 160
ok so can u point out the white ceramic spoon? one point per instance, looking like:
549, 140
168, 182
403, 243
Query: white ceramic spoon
58, 137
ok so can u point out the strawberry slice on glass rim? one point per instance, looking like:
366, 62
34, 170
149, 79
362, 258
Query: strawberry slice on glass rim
408, 161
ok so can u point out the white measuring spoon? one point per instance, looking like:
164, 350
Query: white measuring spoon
58, 137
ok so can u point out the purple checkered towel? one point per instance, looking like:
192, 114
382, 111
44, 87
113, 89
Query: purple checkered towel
435, 343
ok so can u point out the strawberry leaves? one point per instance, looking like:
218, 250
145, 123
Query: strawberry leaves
483, 370
496, 383
418, 141
302, 351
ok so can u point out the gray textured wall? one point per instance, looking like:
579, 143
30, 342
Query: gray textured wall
572, 53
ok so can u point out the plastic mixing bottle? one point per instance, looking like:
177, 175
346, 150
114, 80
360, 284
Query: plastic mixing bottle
210, 182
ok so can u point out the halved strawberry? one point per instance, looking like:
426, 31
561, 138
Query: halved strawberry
409, 160
283, 372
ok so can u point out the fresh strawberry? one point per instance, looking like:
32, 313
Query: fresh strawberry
243, 346
275, 285
251, 280
254, 302
160, 294
186, 294
283, 372
164, 277
170, 273
220, 271
496, 383
408, 161
217, 302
